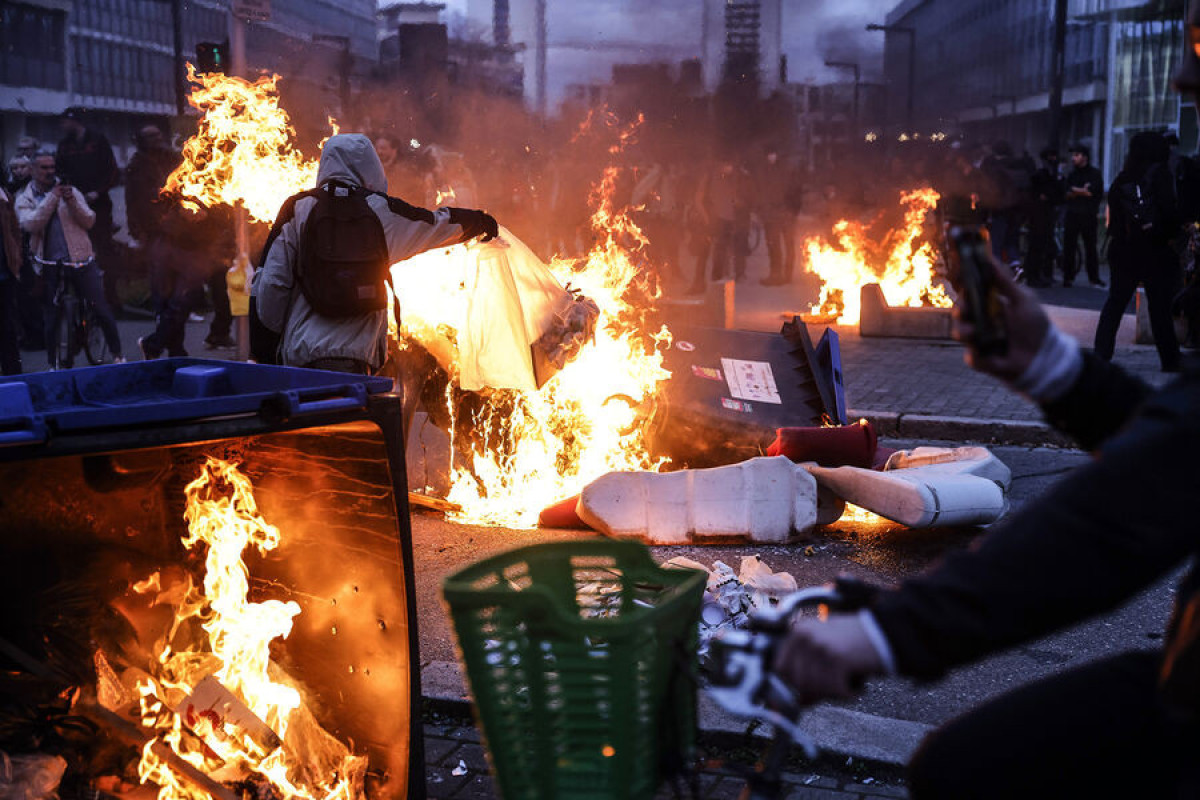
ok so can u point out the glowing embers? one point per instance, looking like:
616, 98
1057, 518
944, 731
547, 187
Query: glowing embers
213, 694
902, 263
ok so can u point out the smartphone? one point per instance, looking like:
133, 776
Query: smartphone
972, 272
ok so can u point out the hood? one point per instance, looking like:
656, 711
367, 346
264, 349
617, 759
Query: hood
351, 157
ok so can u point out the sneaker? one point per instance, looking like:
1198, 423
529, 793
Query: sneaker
194, 317
119, 360
1099, 284
148, 353
220, 342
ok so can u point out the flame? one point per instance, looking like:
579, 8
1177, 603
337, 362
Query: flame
907, 272
282, 745
242, 152
534, 448
539, 447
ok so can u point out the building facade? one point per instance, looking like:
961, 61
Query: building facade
117, 58
983, 68
743, 42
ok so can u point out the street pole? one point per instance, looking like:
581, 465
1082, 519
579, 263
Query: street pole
1058, 71
179, 73
854, 66
542, 47
237, 57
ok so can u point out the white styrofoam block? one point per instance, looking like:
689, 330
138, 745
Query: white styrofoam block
919, 497
977, 461
764, 499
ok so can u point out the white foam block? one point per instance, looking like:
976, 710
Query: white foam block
919, 497
763, 499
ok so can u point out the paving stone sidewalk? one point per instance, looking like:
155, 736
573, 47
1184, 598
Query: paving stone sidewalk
453, 745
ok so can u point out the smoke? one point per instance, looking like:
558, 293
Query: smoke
816, 31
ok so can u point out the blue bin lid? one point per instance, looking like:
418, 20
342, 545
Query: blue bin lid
168, 390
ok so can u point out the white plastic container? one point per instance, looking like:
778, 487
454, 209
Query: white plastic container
977, 461
763, 499
919, 497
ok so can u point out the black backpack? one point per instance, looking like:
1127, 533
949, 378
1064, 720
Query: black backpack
1138, 206
343, 267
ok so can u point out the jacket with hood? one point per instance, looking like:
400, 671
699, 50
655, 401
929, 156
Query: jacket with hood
281, 306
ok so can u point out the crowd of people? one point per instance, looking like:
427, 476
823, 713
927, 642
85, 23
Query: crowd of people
56, 212
707, 198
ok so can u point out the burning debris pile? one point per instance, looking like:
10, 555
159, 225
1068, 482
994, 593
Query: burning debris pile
183, 688
903, 262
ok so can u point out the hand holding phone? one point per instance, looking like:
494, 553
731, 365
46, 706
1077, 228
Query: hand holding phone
973, 274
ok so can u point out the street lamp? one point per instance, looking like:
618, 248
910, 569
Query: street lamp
853, 66
912, 61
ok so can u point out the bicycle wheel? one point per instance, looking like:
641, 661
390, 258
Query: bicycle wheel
68, 335
95, 346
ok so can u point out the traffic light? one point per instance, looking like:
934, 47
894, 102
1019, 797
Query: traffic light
212, 57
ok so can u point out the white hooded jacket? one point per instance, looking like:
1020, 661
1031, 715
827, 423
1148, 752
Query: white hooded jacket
281, 305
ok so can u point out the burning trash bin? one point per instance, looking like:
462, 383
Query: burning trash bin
209, 583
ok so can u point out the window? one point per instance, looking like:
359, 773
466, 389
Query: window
32, 46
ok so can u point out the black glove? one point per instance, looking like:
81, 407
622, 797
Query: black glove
475, 223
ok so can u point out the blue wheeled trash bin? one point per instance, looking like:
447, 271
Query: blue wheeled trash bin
96, 467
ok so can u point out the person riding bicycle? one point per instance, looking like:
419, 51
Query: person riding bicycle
57, 218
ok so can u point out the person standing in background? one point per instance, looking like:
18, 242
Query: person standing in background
85, 160
10, 275
1085, 190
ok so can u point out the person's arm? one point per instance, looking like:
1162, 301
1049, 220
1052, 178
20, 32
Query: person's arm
274, 280
1079, 550
33, 215
79, 209
411, 230
1099, 536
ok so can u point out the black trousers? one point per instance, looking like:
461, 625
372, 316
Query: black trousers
1156, 269
779, 233
1099, 731
10, 324
1076, 226
1039, 261
179, 283
222, 321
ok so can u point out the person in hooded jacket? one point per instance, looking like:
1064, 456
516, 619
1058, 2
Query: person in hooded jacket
356, 344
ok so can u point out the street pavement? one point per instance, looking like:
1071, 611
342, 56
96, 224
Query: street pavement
915, 388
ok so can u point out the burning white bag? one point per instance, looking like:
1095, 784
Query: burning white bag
484, 309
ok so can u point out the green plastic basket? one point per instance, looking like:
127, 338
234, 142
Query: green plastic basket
579, 656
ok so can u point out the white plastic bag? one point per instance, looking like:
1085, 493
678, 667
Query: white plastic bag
479, 308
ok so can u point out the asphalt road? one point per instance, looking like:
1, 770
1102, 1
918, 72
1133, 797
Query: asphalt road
881, 553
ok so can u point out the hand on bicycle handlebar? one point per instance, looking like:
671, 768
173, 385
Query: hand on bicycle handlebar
826, 659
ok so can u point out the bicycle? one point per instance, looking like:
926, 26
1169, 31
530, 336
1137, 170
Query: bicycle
78, 321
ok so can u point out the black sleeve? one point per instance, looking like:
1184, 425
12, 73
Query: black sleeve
1103, 399
286, 212
1099, 536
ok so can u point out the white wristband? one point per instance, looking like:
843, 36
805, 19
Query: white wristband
1053, 370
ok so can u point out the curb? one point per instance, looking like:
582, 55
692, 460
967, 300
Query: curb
1021, 433
880, 743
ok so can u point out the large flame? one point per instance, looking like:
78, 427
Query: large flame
539, 447
902, 263
219, 635
534, 448
243, 151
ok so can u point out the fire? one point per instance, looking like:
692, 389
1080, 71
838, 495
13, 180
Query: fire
902, 264
214, 697
242, 152
538, 447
